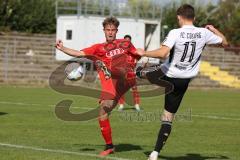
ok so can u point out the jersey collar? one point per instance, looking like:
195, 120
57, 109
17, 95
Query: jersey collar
188, 26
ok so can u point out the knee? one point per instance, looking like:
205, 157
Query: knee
167, 116
107, 106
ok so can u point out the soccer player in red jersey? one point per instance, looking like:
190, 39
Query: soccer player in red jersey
115, 60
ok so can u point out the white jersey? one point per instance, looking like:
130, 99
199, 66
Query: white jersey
187, 44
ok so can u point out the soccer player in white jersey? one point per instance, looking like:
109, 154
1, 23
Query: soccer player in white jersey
182, 51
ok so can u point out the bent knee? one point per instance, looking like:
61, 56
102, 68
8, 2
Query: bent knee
107, 105
167, 116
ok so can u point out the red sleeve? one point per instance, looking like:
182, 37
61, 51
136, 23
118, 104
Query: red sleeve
133, 50
90, 50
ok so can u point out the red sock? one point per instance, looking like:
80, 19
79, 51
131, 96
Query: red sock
106, 130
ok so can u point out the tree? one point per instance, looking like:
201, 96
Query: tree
7, 11
28, 15
228, 20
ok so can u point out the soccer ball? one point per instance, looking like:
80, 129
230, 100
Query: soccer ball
74, 71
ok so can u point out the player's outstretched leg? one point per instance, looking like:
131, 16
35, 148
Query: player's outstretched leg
101, 66
141, 72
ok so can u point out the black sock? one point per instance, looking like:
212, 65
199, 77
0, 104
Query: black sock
163, 135
109, 146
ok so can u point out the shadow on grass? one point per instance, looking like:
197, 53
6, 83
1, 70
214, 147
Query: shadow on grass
127, 147
3, 113
129, 108
87, 149
190, 156
118, 147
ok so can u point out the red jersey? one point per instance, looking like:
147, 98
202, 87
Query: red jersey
120, 58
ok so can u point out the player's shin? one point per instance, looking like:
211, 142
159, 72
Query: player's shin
106, 131
163, 135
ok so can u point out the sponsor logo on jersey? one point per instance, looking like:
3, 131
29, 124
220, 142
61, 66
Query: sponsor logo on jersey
114, 52
180, 67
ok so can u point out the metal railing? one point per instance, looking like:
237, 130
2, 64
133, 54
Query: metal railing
143, 9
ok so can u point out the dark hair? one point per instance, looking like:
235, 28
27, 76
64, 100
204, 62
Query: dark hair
110, 20
128, 36
186, 11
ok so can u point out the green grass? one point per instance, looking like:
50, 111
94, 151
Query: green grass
27, 118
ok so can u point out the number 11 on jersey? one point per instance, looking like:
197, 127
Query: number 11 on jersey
193, 44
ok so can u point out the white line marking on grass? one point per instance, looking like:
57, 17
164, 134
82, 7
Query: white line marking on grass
20, 103
59, 151
34, 104
216, 117
86, 108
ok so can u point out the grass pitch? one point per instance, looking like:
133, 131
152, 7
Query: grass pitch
207, 127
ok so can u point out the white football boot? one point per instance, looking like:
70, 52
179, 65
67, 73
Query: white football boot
153, 156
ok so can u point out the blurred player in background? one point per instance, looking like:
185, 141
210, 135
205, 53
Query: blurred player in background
135, 94
182, 49
115, 74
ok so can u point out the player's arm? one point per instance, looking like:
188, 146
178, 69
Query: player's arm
218, 33
69, 51
161, 52
164, 50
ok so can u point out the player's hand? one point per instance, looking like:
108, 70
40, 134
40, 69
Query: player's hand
59, 44
140, 52
210, 27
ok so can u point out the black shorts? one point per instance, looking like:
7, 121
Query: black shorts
174, 97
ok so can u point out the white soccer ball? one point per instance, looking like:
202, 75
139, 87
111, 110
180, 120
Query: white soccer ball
74, 71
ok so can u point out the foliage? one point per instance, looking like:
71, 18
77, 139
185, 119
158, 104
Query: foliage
225, 17
28, 15
38, 16
228, 20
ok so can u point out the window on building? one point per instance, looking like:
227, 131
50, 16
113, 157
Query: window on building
69, 35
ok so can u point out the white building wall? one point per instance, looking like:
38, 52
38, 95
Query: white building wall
87, 31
